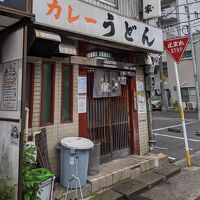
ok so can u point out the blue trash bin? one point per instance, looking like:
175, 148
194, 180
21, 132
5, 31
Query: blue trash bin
74, 159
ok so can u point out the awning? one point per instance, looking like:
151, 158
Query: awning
42, 43
47, 35
66, 48
48, 44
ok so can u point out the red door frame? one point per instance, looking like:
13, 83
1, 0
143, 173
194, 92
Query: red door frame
83, 132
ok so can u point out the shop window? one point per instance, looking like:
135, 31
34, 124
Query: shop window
30, 90
67, 94
187, 54
110, 2
192, 91
196, 14
185, 94
47, 96
192, 94
185, 8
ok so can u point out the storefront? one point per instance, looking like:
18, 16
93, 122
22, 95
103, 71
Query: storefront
88, 77
14, 17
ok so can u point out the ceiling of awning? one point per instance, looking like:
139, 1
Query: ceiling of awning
7, 21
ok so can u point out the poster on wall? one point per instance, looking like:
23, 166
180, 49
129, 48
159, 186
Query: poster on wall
82, 103
141, 100
15, 134
82, 85
9, 88
140, 85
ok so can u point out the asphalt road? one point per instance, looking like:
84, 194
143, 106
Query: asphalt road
172, 143
185, 185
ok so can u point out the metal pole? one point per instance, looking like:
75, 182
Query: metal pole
182, 115
193, 61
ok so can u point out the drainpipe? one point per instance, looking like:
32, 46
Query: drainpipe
26, 125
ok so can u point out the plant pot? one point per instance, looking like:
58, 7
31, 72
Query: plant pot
46, 189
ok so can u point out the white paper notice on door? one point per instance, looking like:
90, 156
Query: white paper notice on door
82, 84
82, 103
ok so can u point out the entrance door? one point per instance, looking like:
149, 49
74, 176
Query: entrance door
108, 122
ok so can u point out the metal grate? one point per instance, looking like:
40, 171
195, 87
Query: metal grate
108, 122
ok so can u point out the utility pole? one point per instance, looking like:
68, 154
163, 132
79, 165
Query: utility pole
193, 61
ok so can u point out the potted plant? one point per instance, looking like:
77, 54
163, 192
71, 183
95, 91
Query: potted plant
37, 182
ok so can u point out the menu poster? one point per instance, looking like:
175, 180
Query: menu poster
9, 86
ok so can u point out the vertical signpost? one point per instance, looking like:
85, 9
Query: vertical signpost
175, 48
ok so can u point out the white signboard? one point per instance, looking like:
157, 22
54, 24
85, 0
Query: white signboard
9, 86
82, 103
85, 19
141, 100
151, 8
140, 86
82, 85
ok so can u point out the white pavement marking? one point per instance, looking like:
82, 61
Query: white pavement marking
161, 148
160, 129
175, 137
171, 119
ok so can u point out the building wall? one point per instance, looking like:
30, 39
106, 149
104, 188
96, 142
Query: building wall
142, 119
57, 131
125, 8
11, 49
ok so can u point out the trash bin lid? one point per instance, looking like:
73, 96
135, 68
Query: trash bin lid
77, 143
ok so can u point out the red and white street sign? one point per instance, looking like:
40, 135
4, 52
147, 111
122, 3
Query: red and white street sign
176, 47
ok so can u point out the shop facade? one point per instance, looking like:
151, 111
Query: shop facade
14, 18
86, 67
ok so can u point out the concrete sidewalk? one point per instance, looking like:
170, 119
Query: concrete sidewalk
130, 189
115, 172
183, 186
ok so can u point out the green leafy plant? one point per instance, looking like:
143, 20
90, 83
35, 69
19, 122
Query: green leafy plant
6, 190
30, 186
32, 177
